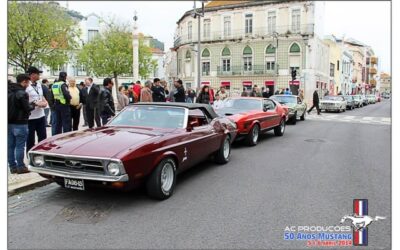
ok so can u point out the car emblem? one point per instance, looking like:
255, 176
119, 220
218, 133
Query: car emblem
73, 164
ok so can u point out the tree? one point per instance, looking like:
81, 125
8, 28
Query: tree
39, 33
110, 53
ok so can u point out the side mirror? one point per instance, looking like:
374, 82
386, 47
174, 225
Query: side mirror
265, 108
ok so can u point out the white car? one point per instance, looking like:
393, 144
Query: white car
333, 103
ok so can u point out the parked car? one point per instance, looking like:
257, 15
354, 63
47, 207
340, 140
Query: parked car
371, 99
255, 115
351, 103
297, 108
358, 101
333, 103
145, 144
385, 95
365, 100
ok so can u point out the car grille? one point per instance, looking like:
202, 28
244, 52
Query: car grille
329, 104
85, 165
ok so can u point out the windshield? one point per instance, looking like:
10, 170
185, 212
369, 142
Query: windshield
349, 97
150, 116
285, 99
240, 105
333, 98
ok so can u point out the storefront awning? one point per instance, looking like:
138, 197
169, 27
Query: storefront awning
225, 84
247, 83
205, 83
269, 83
294, 82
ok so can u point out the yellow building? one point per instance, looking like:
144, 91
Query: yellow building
386, 83
335, 57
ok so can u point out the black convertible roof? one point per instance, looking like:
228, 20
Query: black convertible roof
205, 107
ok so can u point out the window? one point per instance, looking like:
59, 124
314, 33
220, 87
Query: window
247, 59
295, 48
270, 49
205, 68
188, 55
92, 34
189, 27
296, 20
226, 52
179, 65
206, 28
226, 60
332, 69
80, 70
206, 53
58, 69
248, 25
270, 64
226, 65
271, 22
337, 64
227, 26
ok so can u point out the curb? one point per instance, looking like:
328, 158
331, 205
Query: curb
28, 187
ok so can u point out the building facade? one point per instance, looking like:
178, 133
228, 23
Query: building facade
335, 56
244, 44
385, 83
346, 73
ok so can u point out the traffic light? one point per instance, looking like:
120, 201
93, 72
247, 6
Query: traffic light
294, 73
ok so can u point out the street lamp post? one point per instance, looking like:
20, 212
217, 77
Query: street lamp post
197, 14
135, 47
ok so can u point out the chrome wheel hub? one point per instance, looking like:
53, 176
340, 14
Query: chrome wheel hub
226, 148
167, 177
255, 134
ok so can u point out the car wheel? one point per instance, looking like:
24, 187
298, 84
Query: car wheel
160, 185
280, 129
224, 152
252, 137
294, 118
303, 117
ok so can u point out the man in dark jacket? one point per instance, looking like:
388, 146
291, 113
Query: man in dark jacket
315, 103
107, 108
19, 110
91, 95
62, 100
179, 95
158, 91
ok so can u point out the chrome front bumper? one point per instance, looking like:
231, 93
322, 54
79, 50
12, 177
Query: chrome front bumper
78, 175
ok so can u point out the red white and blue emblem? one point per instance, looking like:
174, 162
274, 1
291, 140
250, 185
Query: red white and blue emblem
360, 209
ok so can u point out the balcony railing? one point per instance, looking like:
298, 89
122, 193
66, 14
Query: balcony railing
238, 34
372, 71
249, 71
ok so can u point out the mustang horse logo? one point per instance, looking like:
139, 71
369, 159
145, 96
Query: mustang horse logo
360, 222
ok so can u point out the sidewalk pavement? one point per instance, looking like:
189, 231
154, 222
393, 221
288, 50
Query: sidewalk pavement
18, 183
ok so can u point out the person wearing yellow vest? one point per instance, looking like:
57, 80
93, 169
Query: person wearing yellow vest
62, 100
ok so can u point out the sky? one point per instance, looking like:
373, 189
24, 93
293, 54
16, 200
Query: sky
366, 21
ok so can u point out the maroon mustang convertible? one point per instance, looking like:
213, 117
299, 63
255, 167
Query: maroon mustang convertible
146, 143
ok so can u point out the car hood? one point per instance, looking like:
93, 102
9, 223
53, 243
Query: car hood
104, 142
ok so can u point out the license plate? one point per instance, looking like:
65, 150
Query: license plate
77, 184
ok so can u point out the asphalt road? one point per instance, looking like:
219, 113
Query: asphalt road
310, 176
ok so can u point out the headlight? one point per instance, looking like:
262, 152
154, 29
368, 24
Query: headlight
114, 168
38, 160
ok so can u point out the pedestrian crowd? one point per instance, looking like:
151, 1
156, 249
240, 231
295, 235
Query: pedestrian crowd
31, 102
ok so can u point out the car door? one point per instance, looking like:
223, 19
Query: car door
203, 136
301, 105
271, 114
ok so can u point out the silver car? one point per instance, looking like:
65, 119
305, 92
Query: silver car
371, 99
358, 101
296, 106
333, 103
